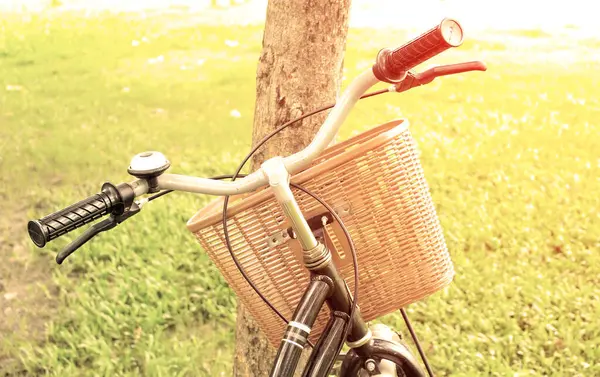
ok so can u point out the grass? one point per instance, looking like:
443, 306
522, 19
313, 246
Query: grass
510, 155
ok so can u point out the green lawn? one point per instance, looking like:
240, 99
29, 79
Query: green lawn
511, 156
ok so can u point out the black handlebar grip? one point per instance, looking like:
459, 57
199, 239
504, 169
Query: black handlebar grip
392, 65
110, 200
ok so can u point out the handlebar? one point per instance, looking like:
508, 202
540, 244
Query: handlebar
391, 66
111, 200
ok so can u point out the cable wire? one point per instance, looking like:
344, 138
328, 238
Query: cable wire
165, 192
416, 340
289, 123
236, 174
344, 230
226, 203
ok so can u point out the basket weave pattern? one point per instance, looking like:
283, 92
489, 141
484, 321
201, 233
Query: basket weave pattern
375, 183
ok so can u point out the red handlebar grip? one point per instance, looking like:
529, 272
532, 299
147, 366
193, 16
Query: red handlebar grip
392, 65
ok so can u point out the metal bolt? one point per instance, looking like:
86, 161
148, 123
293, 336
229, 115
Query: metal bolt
370, 365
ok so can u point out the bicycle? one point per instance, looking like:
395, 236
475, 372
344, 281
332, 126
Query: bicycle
309, 239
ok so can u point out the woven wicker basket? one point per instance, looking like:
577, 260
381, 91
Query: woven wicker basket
375, 182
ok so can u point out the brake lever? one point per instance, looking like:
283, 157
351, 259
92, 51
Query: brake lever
414, 79
94, 230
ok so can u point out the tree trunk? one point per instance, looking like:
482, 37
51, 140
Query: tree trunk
300, 69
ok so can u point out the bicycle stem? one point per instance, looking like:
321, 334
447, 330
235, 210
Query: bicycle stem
279, 180
316, 257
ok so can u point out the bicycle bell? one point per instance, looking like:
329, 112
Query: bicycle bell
148, 166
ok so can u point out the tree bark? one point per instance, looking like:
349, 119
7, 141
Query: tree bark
300, 69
